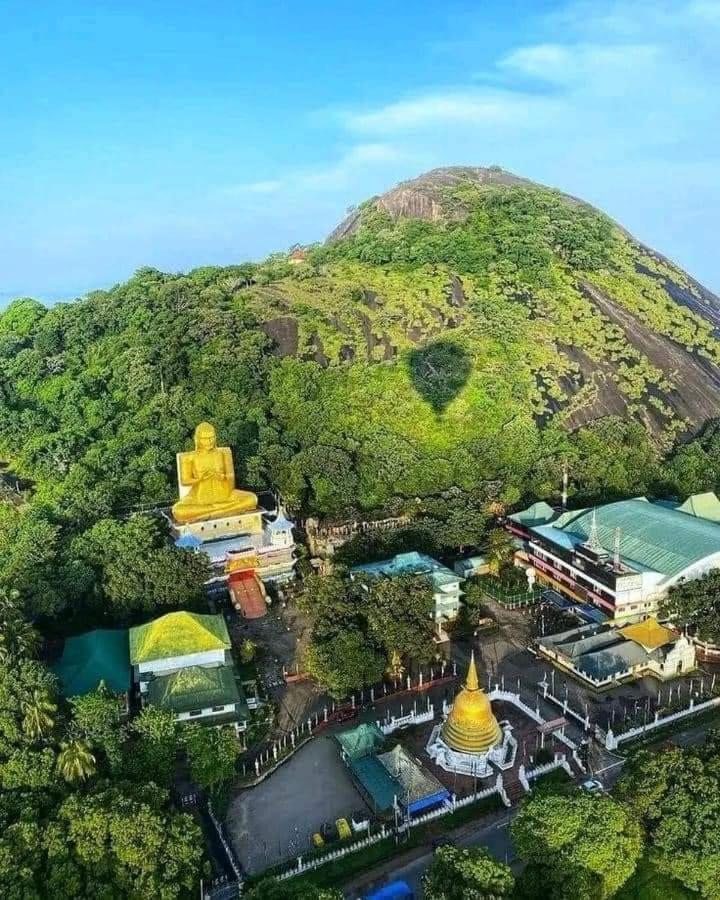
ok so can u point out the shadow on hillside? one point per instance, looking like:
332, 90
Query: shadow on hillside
439, 371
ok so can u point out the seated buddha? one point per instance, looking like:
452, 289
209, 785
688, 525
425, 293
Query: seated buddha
208, 478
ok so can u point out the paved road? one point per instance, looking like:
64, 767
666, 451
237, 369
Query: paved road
493, 833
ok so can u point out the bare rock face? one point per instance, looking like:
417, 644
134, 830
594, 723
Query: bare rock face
420, 198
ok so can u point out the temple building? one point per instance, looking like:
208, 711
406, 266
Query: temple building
240, 538
445, 583
623, 557
471, 739
182, 662
391, 780
602, 655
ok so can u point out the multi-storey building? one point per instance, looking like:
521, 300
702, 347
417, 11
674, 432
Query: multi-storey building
624, 556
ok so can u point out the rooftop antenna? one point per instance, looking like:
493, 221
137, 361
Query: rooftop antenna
593, 541
616, 554
565, 484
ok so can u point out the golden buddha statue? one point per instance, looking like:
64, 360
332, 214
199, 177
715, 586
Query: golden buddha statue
207, 482
471, 726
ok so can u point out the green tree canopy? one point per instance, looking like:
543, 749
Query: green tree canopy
212, 754
466, 874
344, 664
697, 603
676, 794
580, 845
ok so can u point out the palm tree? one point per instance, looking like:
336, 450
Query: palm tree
75, 762
17, 636
38, 714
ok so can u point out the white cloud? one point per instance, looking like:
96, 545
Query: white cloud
356, 160
577, 64
338, 174
480, 106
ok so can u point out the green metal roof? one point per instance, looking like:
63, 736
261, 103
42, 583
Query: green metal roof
538, 514
196, 687
177, 634
381, 787
92, 658
652, 536
360, 741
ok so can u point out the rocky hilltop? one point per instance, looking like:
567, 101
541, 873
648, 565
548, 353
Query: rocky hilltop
623, 331
466, 331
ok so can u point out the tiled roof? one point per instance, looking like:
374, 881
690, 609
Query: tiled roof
650, 634
195, 687
413, 563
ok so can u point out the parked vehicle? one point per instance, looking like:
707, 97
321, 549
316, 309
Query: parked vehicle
593, 786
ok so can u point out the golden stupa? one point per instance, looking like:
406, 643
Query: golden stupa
471, 726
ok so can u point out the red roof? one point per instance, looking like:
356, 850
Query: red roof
247, 595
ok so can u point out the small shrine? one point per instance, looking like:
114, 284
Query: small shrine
470, 738
248, 545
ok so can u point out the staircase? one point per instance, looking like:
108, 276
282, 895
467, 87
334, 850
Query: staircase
514, 790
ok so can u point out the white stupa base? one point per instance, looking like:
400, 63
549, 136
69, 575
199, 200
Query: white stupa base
477, 765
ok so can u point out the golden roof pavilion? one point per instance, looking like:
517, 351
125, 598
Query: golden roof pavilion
471, 726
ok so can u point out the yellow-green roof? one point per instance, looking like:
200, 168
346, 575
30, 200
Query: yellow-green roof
177, 634
649, 634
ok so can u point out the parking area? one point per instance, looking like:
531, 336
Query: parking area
275, 821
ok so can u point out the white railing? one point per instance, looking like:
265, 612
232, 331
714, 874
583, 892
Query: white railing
302, 866
228, 850
528, 775
497, 693
567, 710
447, 808
412, 718
612, 741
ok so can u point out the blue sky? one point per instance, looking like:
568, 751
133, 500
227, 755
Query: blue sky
178, 134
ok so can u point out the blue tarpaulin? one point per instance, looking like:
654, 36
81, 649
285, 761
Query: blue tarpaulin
396, 890
590, 613
424, 803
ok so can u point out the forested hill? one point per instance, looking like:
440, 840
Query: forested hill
465, 332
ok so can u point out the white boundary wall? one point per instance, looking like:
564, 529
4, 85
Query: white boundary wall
612, 741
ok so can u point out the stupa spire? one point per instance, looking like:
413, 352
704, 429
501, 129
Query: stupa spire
471, 682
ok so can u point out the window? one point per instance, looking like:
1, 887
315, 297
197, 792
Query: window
195, 712
218, 708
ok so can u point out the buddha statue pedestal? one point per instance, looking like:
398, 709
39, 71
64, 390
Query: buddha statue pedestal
220, 528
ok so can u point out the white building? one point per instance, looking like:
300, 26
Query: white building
182, 662
602, 655
445, 583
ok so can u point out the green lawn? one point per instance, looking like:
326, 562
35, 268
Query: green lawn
649, 884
